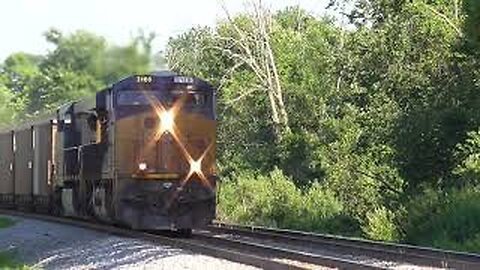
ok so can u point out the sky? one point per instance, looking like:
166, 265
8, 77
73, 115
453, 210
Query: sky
23, 22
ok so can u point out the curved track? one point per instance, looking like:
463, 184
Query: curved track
262, 256
285, 249
294, 258
371, 253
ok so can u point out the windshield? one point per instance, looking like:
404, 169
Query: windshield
190, 98
136, 98
140, 98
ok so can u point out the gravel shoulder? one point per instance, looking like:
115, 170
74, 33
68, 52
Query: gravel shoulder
56, 246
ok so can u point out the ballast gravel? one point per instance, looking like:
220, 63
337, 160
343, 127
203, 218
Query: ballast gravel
55, 246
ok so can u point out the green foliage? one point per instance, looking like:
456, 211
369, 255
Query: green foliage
7, 262
468, 160
323, 212
250, 199
380, 225
77, 52
472, 12
7, 113
298, 159
6, 222
450, 221
273, 200
79, 64
376, 113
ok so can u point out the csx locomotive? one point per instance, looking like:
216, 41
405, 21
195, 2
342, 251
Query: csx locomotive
140, 153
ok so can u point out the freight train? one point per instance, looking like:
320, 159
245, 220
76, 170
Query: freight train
140, 153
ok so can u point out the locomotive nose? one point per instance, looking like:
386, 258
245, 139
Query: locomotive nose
158, 154
165, 121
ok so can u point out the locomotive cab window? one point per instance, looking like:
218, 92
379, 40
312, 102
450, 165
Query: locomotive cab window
191, 98
137, 98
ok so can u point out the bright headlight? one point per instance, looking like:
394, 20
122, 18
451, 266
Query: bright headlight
166, 121
196, 166
142, 166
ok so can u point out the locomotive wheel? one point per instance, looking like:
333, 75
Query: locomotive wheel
101, 201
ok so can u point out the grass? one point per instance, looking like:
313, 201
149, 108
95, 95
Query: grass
7, 261
7, 258
6, 222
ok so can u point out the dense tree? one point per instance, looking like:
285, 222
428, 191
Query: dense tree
7, 113
78, 65
378, 113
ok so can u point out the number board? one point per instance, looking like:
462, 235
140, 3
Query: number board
144, 79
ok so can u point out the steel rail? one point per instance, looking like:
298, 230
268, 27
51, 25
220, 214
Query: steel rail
353, 246
263, 256
187, 244
285, 253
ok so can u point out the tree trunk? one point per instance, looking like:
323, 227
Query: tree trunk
256, 52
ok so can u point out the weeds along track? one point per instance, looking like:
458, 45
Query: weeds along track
364, 252
207, 243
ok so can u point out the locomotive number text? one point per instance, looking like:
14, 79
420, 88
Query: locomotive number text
144, 79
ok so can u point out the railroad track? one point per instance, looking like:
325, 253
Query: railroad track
208, 243
285, 249
294, 259
369, 253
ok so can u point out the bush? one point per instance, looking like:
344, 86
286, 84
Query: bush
380, 225
450, 221
251, 198
274, 200
467, 156
321, 212
286, 201
245, 199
